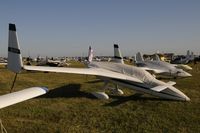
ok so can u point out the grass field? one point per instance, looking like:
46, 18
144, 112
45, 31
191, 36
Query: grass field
69, 107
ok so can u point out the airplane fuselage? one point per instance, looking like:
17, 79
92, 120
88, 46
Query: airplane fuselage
148, 80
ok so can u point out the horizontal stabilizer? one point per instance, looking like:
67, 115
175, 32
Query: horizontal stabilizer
159, 88
171, 83
19, 96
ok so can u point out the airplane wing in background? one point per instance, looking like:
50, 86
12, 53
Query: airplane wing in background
19, 96
86, 71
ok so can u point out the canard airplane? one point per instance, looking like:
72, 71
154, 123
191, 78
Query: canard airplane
160, 68
117, 73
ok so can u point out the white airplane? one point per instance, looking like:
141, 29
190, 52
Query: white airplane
182, 66
160, 68
19, 96
116, 73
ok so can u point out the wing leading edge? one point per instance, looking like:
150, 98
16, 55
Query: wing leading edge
86, 71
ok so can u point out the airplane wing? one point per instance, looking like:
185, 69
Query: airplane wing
86, 71
19, 96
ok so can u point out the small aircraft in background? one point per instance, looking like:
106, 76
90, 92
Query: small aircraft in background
117, 73
3, 61
160, 68
189, 57
52, 62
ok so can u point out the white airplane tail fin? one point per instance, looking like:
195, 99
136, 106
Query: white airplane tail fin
139, 57
15, 63
117, 54
90, 54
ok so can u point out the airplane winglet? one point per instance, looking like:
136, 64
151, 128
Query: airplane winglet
15, 63
117, 54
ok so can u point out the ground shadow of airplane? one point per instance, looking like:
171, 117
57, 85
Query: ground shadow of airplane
136, 97
73, 90
68, 91
94, 81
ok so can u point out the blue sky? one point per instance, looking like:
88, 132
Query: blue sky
67, 28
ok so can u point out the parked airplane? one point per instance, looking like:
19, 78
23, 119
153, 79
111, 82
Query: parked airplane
160, 68
184, 59
52, 62
117, 73
182, 66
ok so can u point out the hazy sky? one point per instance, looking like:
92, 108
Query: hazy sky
67, 28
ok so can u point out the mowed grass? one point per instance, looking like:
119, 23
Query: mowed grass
70, 107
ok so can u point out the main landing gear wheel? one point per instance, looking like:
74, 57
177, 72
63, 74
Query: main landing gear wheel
101, 95
116, 90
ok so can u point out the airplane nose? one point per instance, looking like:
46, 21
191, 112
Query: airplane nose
184, 74
183, 97
187, 74
178, 94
